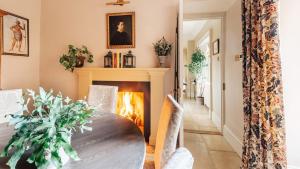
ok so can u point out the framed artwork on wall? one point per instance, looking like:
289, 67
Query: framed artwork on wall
15, 35
120, 30
216, 47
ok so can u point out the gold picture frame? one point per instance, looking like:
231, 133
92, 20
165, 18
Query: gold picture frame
120, 28
15, 34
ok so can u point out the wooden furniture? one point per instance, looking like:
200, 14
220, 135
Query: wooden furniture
103, 98
114, 143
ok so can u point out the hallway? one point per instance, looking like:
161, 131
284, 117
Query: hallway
202, 138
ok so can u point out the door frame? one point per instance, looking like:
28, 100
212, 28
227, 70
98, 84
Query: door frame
207, 16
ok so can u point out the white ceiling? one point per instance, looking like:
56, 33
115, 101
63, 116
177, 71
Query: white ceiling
206, 6
191, 29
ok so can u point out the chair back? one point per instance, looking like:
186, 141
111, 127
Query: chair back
168, 130
9, 103
181, 159
103, 98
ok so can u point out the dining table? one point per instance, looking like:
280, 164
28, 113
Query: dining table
114, 143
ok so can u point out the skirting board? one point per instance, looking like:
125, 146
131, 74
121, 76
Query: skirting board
216, 120
233, 140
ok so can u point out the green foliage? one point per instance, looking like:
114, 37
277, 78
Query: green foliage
69, 60
46, 129
198, 63
162, 47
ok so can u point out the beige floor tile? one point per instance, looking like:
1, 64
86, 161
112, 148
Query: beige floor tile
196, 117
225, 160
216, 142
196, 138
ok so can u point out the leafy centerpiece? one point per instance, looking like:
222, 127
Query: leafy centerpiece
45, 132
75, 57
162, 49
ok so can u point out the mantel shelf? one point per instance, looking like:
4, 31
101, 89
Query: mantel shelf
84, 69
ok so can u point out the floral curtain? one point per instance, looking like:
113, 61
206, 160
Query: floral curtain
264, 138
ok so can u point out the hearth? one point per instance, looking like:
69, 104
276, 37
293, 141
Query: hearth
133, 102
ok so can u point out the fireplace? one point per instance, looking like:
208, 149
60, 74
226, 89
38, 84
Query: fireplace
154, 78
133, 102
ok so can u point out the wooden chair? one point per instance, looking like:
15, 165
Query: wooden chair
103, 98
9, 103
168, 130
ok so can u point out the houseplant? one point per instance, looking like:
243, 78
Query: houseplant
162, 49
45, 132
196, 68
75, 57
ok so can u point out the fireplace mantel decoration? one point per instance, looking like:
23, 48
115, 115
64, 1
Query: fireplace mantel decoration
156, 77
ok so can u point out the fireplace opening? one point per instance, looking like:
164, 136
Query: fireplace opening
131, 106
133, 102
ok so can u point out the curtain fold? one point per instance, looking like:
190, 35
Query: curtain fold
264, 138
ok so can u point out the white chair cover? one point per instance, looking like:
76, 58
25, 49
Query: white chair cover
9, 103
181, 159
103, 98
168, 130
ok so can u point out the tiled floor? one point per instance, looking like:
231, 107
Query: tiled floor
209, 151
196, 117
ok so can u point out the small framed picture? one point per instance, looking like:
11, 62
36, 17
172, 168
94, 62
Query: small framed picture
216, 47
120, 30
15, 35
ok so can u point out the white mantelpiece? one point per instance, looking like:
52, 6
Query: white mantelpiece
156, 77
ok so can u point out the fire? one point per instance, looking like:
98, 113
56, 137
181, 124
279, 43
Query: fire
131, 106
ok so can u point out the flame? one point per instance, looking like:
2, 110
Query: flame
131, 106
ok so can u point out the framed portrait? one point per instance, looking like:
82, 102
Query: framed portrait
120, 30
216, 47
15, 34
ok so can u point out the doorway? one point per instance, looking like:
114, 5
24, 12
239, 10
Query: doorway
202, 78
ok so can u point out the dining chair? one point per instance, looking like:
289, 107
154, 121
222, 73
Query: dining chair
103, 98
9, 103
167, 134
180, 159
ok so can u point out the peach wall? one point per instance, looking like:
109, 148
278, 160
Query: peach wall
17, 71
84, 22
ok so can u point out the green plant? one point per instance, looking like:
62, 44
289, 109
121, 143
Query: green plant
46, 129
70, 60
196, 68
198, 63
162, 47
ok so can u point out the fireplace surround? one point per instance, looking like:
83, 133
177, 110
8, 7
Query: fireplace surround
154, 76
144, 87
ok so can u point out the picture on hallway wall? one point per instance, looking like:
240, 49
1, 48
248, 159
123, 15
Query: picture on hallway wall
120, 30
15, 35
216, 47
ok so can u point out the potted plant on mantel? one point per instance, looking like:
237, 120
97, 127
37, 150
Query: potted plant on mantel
44, 134
75, 57
162, 49
196, 68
